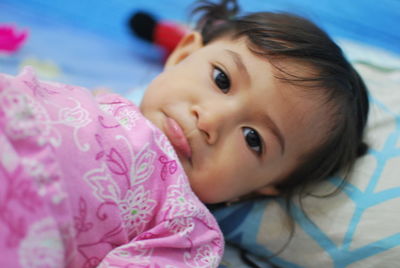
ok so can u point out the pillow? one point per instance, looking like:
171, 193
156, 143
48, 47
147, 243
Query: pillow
358, 227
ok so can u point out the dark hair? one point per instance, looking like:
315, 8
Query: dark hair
287, 36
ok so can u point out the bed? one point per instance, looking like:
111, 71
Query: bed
88, 43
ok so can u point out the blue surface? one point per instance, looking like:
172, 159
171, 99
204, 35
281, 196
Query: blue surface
90, 43
368, 21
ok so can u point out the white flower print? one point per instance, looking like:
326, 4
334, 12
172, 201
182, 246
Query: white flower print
143, 162
182, 226
9, 158
104, 264
106, 107
136, 206
136, 209
143, 165
43, 179
205, 257
27, 118
135, 252
102, 184
36, 170
180, 200
123, 112
76, 117
127, 118
42, 247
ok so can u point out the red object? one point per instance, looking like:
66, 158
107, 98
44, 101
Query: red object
167, 35
10, 39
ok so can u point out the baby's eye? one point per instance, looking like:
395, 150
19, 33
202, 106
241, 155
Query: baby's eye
221, 80
253, 140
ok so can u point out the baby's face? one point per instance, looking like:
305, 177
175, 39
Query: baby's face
236, 128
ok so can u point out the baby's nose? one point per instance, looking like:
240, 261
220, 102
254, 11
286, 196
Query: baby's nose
209, 122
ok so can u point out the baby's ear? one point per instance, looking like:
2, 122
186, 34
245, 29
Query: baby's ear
268, 191
189, 44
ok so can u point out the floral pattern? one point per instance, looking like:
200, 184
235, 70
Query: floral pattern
142, 166
102, 184
204, 257
27, 118
9, 158
181, 226
75, 117
180, 200
89, 182
137, 210
42, 246
137, 253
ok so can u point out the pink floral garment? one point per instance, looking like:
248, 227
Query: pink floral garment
88, 182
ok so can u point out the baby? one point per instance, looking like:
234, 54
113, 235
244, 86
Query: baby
263, 104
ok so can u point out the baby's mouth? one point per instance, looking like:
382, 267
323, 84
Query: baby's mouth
177, 138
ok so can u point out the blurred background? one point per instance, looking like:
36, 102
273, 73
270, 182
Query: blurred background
87, 42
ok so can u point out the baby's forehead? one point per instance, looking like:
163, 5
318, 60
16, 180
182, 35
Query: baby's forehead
304, 110
308, 117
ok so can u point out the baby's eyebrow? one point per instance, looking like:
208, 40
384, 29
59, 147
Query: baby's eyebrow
239, 63
275, 131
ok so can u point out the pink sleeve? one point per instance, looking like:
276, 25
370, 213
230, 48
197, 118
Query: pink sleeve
90, 182
183, 233
163, 246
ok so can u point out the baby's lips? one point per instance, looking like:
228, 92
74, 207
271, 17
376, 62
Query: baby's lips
177, 137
